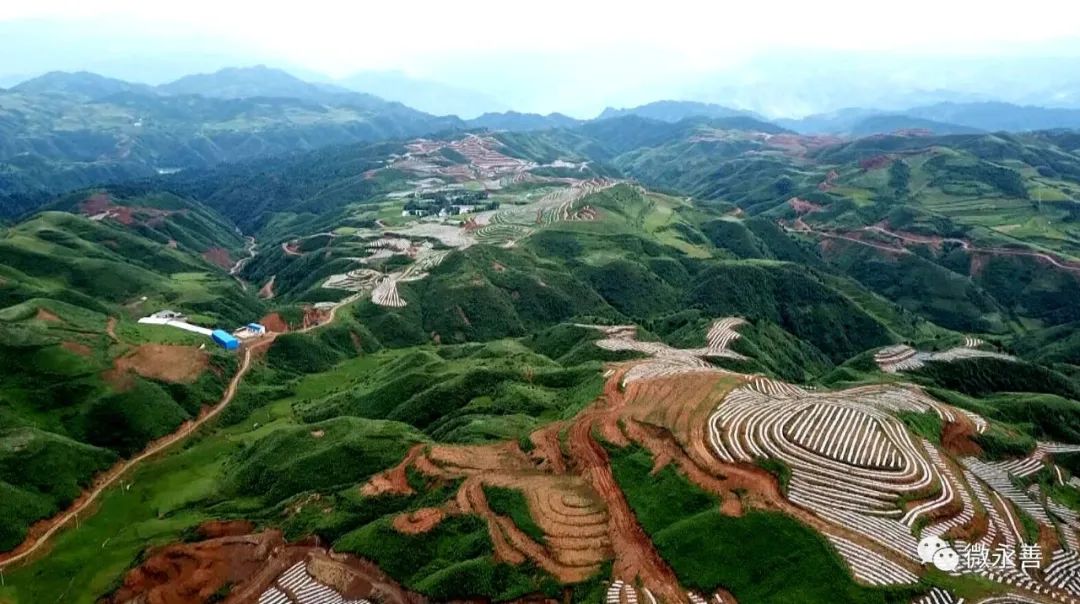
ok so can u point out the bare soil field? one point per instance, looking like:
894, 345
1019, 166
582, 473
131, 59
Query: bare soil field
44, 315
80, 349
219, 257
178, 364
274, 322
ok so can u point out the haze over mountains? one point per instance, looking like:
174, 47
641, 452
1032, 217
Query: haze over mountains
62, 131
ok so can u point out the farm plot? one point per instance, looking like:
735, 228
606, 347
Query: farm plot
869, 567
502, 234
822, 437
482, 154
666, 360
297, 586
384, 287
361, 279
1063, 571
854, 465
938, 596
851, 470
900, 357
560, 205
572, 518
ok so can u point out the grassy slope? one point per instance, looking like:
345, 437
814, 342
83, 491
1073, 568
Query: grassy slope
790, 562
64, 276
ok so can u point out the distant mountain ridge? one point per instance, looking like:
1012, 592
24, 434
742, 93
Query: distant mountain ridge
63, 131
82, 83
886, 124
945, 118
674, 111
512, 120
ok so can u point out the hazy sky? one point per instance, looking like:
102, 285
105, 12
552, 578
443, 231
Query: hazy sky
572, 55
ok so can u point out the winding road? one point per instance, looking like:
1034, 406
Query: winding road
239, 266
802, 227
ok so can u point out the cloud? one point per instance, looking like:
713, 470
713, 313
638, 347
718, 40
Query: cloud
574, 56
339, 37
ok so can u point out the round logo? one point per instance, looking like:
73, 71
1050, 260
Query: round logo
934, 550
946, 559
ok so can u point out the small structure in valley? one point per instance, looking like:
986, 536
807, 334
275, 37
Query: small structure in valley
225, 339
251, 330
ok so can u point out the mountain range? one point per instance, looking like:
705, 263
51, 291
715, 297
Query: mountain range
61, 131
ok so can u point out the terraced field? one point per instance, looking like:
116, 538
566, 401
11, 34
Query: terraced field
857, 475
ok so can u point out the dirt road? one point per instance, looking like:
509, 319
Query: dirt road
47, 528
802, 227
239, 266
43, 530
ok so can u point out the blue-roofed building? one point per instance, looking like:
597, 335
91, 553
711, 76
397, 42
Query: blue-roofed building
225, 339
256, 328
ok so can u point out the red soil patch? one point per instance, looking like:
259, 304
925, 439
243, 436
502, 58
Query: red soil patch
395, 480
547, 452
266, 292
101, 205
177, 364
218, 256
80, 349
958, 438
193, 572
110, 328
248, 564
45, 315
978, 263
801, 206
212, 529
274, 322
571, 491
314, 316
971, 531
635, 555
875, 163
95, 204
497, 267
123, 215
829, 182
420, 521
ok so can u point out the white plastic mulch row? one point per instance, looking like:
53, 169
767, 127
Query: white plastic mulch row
869, 566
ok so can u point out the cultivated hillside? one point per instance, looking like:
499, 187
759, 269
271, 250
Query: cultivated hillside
627, 361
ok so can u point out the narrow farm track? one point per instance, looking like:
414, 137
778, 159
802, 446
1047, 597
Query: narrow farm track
110, 328
51, 526
44, 530
966, 245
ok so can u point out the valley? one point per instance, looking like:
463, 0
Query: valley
604, 363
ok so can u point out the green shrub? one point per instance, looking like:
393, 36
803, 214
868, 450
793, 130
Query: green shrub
512, 504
